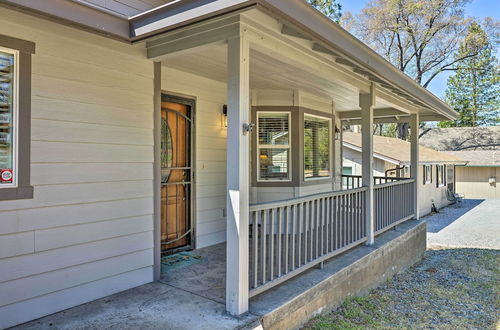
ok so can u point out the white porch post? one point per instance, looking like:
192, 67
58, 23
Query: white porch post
414, 168
366, 103
238, 150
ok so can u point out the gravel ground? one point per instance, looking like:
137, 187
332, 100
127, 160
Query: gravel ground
473, 223
448, 289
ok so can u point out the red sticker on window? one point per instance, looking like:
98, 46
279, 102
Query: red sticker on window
6, 175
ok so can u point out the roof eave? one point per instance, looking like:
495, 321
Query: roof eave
297, 12
77, 15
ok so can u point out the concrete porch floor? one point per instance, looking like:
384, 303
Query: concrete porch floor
193, 297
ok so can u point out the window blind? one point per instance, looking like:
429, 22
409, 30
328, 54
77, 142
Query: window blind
273, 146
316, 147
273, 129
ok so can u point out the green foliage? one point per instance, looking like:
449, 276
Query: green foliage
474, 90
331, 8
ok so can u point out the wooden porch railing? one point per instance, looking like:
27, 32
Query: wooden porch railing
291, 236
393, 204
288, 237
355, 181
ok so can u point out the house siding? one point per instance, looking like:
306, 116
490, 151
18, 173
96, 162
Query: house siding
473, 182
87, 232
429, 193
352, 158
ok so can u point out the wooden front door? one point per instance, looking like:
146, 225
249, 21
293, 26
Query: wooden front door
176, 228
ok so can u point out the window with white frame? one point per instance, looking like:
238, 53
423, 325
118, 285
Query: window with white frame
273, 146
317, 147
440, 175
8, 117
427, 174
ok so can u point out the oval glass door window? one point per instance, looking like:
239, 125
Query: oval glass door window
166, 150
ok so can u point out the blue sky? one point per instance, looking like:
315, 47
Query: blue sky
477, 8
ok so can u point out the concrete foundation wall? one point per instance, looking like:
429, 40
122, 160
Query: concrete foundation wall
353, 273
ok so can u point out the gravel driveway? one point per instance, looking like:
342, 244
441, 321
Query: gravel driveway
473, 223
448, 289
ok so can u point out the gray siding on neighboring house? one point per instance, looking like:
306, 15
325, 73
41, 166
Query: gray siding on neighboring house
428, 193
87, 232
352, 158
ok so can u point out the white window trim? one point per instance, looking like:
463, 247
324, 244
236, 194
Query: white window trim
330, 156
15, 116
442, 174
428, 168
270, 146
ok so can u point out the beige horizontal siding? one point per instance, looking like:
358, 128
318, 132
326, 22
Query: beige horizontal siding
87, 232
77, 234
41, 284
46, 261
16, 244
473, 182
73, 214
58, 300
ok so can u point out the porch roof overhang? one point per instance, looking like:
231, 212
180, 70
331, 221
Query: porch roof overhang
300, 20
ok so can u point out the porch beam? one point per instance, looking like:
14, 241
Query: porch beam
414, 160
397, 101
382, 112
238, 176
199, 35
403, 118
367, 103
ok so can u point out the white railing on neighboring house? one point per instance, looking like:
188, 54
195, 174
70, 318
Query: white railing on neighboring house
291, 236
288, 237
393, 204
350, 181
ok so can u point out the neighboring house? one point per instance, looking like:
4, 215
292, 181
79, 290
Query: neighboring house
480, 146
391, 158
117, 145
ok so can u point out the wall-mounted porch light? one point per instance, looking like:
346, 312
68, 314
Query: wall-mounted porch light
337, 133
223, 116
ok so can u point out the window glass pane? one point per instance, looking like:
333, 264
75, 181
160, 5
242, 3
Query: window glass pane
6, 117
273, 164
316, 147
273, 129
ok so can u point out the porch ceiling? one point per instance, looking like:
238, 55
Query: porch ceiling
266, 72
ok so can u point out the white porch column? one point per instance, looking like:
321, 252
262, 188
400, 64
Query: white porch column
414, 168
367, 103
238, 177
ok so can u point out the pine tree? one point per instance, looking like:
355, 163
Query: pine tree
474, 90
331, 8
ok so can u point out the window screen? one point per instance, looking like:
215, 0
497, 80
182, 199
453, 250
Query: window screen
273, 146
316, 147
7, 126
